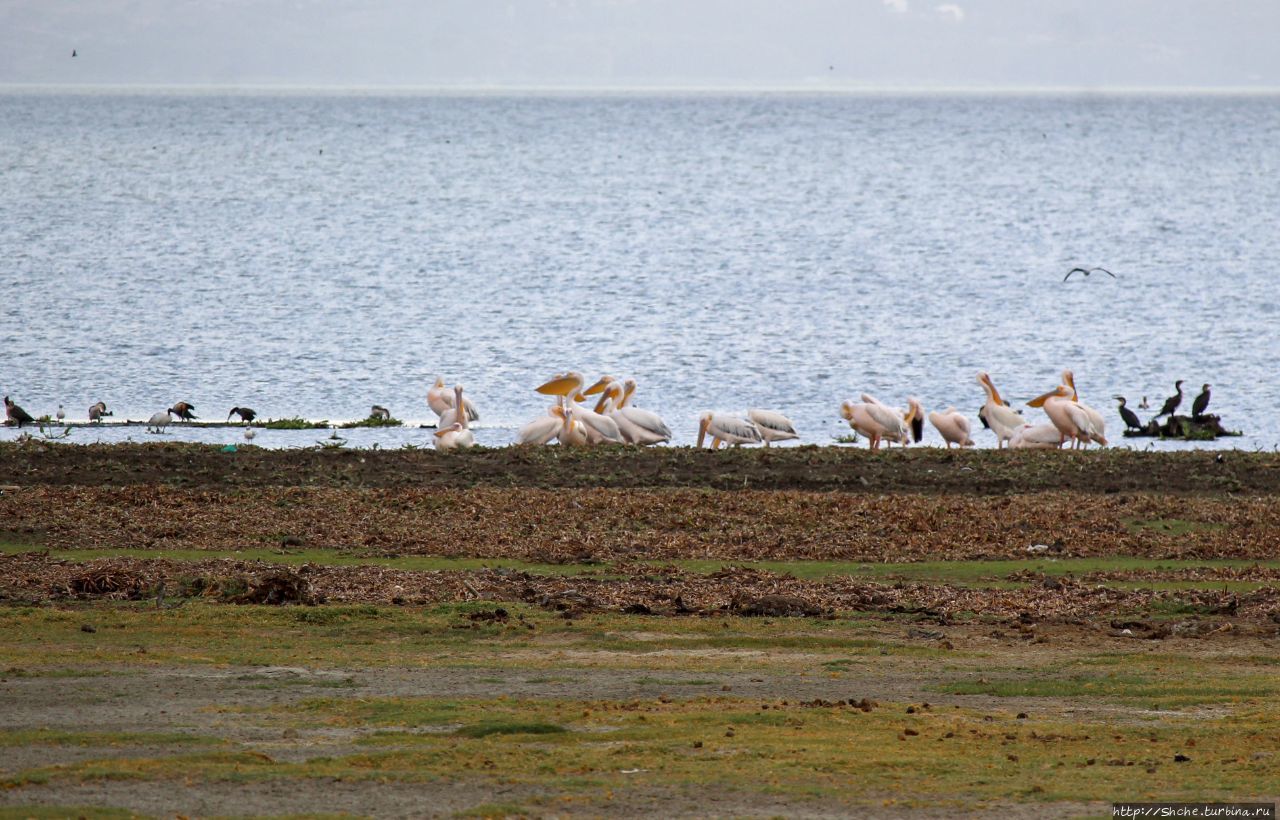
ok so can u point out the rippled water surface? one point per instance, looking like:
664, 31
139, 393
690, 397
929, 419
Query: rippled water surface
311, 255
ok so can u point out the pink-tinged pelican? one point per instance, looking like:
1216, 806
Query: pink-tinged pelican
953, 427
1098, 423
637, 426
599, 428
1001, 418
573, 432
727, 429
1067, 416
542, 429
455, 435
1035, 437
441, 400
897, 426
772, 426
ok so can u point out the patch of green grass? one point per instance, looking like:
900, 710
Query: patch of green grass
58, 737
372, 421
294, 423
1171, 526
1170, 691
505, 727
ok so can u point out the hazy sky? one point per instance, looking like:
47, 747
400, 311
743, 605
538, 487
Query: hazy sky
787, 43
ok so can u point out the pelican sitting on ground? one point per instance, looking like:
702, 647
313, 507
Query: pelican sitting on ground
1098, 423
1171, 403
456, 436
772, 426
183, 411
1000, 417
1130, 418
1201, 403
637, 426
953, 427
13, 414
159, 421
1036, 437
97, 411
246, 414
599, 428
542, 429
1068, 417
726, 429
440, 399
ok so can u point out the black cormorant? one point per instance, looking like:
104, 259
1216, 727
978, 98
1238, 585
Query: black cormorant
1171, 403
1201, 403
1131, 419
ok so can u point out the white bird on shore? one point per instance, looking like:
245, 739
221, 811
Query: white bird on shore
1035, 437
60, 415
636, 425
158, 422
456, 436
726, 429
249, 434
542, 429
953, 427
1097, 423
598, 428
1000, 417
1068, 417
772, 426
895, 424
441, 400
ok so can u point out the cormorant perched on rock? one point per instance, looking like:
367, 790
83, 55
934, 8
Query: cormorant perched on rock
379, 412
245, 413
97, 411
183, 410
1131, 419
1201, 403
1171, 403
15, 414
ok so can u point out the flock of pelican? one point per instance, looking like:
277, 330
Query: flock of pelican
614, 420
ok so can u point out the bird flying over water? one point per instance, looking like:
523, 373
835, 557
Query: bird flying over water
1087, 271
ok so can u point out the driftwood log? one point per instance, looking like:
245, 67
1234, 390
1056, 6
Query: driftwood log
1187, 428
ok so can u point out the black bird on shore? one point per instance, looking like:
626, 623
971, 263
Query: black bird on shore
1201, 403
245, 413
1171, 403
1131, 420
1087, 271
15, 414
183, 411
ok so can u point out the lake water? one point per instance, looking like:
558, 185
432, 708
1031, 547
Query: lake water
314, 254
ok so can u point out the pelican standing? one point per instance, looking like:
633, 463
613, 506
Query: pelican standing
1068, 417
97, 411
456, 436
441, 399
1000, 417
1098, 423
898, 426
952, 426
599, 428
772, 426
873, 420
636, 425
726, 429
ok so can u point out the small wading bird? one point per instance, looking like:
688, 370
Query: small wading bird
379, 412
183, 411
13, 414
440, 399
726, 429
97, 411
456, 436
1171, 403
1201, 403
61, 415
1087, 271
1131, 420
246, 414
249, 434
159, 421
772, 426
952, 426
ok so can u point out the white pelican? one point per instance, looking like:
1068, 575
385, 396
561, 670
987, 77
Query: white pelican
953, 426
456, 436
1035, 437
726, 428
97, 411
441, 399
1098, 423
1070, 419
159, 421
599, 428
772, 426
1001, 418
860, 420
573, 432
637, 426
542, 429
896, 425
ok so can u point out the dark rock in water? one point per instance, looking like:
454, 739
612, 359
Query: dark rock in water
1203, 428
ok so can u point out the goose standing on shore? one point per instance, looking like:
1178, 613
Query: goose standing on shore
456, 436
97, 411
13, 414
